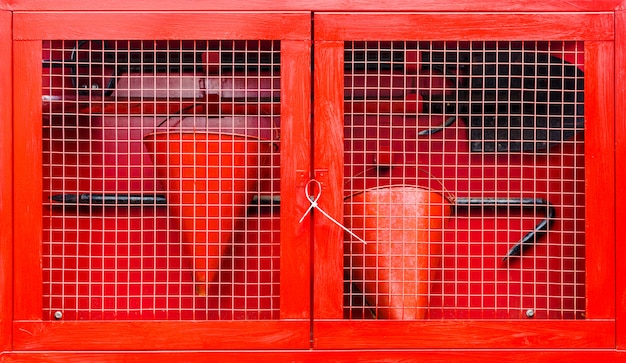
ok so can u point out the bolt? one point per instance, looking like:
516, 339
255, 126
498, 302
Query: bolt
530, 313
58, 315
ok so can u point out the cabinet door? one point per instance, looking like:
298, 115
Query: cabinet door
150, 161
469, 158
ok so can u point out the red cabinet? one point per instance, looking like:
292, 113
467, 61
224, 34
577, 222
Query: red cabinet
292, 182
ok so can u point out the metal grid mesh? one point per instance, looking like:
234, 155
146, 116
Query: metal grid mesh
152, 209
486, 140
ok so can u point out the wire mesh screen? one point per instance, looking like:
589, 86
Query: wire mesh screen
464, 173
160, 162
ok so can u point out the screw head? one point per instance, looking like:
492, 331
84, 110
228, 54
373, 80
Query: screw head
58, 315
530, 313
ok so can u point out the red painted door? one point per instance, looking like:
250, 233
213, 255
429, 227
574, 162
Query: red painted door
465, 157
149, 160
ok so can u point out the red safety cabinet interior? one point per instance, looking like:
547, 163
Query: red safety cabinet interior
292, 182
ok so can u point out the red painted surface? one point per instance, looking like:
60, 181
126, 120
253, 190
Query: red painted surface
27, 199
310, 254
454, 355
6, 186
620, 176
324, 5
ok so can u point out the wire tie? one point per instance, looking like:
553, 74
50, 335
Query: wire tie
314, 205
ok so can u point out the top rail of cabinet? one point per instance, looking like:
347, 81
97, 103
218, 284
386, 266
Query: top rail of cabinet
317, 6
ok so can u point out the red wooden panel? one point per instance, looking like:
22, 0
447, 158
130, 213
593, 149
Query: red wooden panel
160, 25
458, 335
327, 154
620, 174
27, 175
599, 175
295, 164
136, 335
6, 186
313, 356
464, 27
323, 5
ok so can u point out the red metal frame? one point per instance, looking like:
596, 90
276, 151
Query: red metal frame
598, 23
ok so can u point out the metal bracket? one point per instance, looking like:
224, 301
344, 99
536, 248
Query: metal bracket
539, 205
